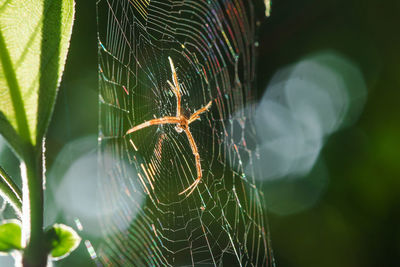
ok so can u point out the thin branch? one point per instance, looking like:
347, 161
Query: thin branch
10, 191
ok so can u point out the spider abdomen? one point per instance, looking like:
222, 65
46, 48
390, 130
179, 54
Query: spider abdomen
182, 125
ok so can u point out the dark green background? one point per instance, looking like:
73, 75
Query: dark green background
355, 221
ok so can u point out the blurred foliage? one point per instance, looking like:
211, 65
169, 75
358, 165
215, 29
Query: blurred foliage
355, 221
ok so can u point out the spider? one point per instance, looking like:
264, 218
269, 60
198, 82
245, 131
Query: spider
182, 125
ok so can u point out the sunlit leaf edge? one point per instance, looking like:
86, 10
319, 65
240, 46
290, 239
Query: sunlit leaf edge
64, 241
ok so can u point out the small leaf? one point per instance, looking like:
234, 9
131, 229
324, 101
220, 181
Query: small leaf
63, 240
10, 235
34, 41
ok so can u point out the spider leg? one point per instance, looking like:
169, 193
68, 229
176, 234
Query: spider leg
195, 151
196, 115
164, 120
192, 187
175, 88
178, 98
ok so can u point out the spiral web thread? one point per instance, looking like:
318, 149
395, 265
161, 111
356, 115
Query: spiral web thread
213, 46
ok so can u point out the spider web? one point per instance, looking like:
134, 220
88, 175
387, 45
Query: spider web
213, 47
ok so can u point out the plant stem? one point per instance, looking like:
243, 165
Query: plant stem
10, 191
35, 253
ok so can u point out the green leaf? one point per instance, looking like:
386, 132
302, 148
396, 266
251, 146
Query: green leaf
10, 236
34, 41
63, 240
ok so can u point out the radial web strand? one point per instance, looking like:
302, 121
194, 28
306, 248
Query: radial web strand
145, 171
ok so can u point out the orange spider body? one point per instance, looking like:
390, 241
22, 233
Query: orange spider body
182, 125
